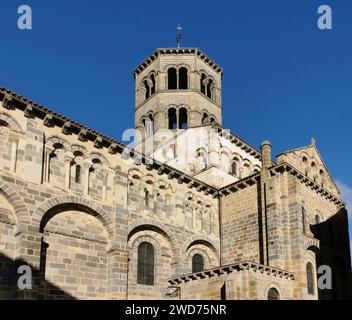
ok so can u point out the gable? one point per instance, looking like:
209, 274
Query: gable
309, 161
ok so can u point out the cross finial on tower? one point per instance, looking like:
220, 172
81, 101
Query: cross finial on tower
178, 35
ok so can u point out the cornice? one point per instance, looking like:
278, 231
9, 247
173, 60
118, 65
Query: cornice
237, 141
277, 169
228, 269
51, 118
171, 51
286, 167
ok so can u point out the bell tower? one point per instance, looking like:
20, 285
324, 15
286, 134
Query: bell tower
177, 89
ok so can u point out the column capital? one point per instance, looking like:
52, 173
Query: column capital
15, 136
87, 164
49, 148
68, 157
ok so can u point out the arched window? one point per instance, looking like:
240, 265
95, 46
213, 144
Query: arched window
205, 118
273, 294
52, 158
202, 83
212, 120
172, 119
152, 78
317, 219
234, 168
210, 89
78, 174
183, 119
197, 263
172, 78
149, 125
147, 89
146, 198
145, 265
310, 279
183, 78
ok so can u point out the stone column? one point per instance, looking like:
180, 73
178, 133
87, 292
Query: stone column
14, 138
86, 165
104, 174
68, 161
214, 147
48, 151
177, 118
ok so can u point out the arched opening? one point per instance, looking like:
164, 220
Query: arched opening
205, 118
149, 125
310, 278
147, 89
146, 198
145, 264
76, 167
172, 119
317, 219
273, 294
210, 88
172, 79
234, 168
203, 83
74, 235
183, 78
212, 120
183, 119
78, 173
201, 159
52, 159
153, 89
197, 263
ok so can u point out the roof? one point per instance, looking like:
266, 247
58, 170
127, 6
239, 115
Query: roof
31, 108
164, 51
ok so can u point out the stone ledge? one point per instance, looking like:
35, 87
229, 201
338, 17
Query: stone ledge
228, 269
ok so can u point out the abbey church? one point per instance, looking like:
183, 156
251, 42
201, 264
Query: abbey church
190, 211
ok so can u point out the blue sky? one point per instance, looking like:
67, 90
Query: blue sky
285, 80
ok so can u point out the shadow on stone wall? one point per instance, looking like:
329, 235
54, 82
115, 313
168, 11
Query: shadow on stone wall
41, 288
335, 252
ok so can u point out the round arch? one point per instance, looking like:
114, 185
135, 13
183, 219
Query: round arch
195, 240
270, 287
11, 122
52, 140
54, 206
153, 225
20, 209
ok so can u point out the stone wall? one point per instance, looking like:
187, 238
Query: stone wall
244, 283
80, 236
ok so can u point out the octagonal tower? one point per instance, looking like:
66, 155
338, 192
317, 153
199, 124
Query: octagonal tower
177, 89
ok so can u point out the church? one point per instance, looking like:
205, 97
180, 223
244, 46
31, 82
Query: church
190, 211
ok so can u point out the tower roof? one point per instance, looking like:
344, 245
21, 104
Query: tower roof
166, 51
